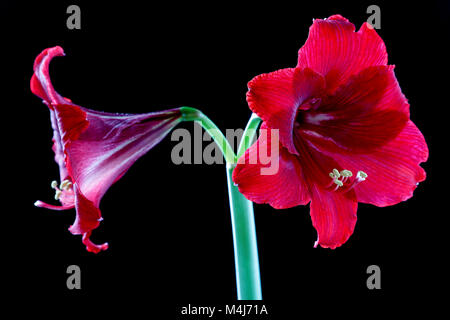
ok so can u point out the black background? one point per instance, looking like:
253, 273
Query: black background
168, 225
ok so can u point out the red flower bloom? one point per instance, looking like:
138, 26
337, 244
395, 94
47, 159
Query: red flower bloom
93, 149
344, 130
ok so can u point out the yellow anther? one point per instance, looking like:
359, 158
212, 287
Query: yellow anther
346, 173
362, 175
338, 182
58, 194
66, 185
336, 173
332, 175
63, 184
54, 184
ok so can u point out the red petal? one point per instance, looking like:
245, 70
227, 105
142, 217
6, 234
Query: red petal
283, 189
362, 115
316, 165
393, 170
275, 98
41, 86
58, 148
72, 121
333, 215
40, 81
88, 218
335, 51
92, 247
88, 215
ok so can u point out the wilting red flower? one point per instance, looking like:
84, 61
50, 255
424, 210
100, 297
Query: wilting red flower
93, 149
344, 130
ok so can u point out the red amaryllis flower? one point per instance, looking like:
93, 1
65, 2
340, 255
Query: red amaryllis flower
93, 149
344, 130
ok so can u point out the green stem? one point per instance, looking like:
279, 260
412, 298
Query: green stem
248, 279
192, 114
242, 218
249, 134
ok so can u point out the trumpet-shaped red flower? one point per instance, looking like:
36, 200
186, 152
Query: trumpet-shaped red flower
93, 149
344, 130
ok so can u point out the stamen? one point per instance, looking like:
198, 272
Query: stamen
338, 182
341, 179
346, 173
58, 194
336, 173
64, 193
66, 185
361, 175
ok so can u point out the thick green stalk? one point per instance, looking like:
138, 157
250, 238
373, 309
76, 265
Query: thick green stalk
246, 260
242, 218
243, 224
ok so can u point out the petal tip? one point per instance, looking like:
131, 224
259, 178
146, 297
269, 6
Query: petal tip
95, 248
92, 247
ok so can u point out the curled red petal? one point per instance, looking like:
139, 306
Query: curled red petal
92, 247
282, 186
336, 51
41, 84
275, 97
